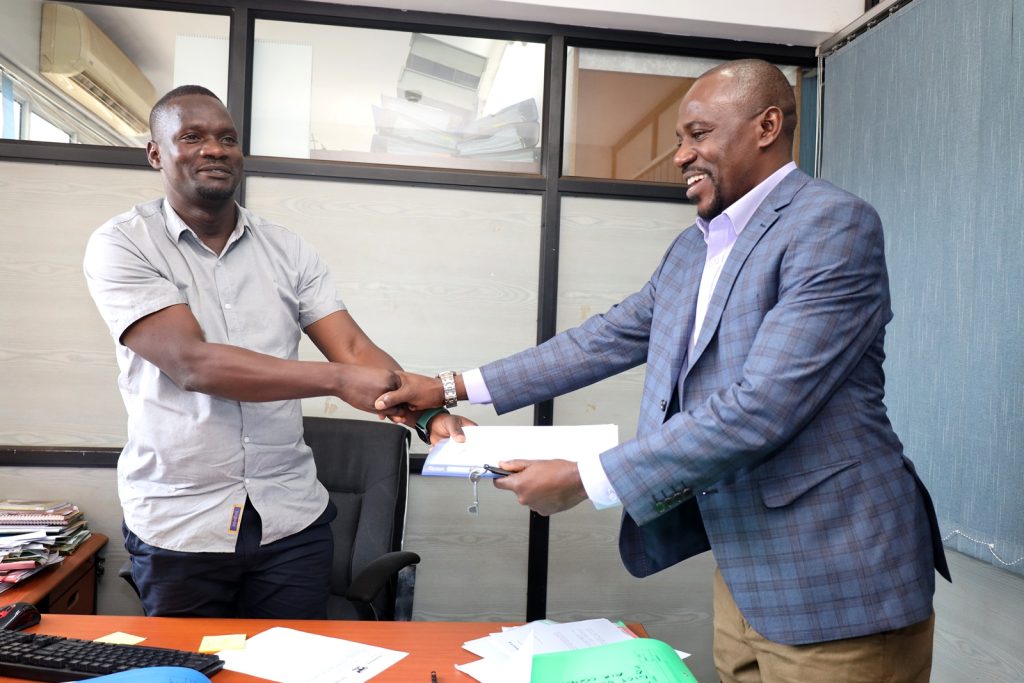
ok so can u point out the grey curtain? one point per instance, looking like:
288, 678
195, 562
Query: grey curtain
923, 117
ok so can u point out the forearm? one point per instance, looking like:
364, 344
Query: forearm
239, 374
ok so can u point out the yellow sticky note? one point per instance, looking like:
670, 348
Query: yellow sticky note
119, 638
213, 644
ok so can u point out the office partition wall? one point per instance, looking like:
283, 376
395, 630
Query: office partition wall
922, 117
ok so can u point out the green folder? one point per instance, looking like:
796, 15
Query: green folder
638, 660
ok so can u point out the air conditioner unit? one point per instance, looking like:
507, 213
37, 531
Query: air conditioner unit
86, 65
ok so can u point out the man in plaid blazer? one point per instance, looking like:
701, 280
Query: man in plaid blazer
763, 434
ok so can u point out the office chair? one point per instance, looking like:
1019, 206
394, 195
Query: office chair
364, 465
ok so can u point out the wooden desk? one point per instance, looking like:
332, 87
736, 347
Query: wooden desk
69, 587
432, 645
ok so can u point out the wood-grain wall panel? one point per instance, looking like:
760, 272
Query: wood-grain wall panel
56, 357
439, 278
608, 250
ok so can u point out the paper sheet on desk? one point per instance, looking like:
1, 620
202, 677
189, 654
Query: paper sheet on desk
508, 656
489, 445
289, 656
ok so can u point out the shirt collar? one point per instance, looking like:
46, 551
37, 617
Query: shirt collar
176, 226
742, 210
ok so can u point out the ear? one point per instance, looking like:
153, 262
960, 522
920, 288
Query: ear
153, 154
769, 127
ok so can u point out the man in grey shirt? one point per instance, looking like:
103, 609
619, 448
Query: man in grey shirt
223, 512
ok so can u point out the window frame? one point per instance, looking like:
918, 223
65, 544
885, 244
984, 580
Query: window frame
549, 183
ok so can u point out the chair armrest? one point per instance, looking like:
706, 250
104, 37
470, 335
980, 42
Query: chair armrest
372, 579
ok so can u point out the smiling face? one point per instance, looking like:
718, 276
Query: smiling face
734, 130
195, 147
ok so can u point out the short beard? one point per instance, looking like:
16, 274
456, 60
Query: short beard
215, 194
716, 207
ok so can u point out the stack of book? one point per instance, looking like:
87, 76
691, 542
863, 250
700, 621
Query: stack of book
404, 127
36, 534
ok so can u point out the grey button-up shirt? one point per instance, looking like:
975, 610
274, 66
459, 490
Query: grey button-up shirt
191, 458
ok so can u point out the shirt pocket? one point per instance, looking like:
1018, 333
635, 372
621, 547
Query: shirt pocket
780, 491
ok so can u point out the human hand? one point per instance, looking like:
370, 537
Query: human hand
545, 486
359, 385
418, 392
447, 426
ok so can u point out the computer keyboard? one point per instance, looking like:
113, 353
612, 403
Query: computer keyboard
40, 657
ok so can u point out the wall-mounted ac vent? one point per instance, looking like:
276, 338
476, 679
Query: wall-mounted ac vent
87, 66
441, 75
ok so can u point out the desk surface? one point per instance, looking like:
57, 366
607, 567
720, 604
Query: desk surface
432, 646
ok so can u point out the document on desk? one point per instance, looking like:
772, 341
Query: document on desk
289, 656
630, 661
489, 445
548, 651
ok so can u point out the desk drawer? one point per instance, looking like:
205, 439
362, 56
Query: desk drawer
78, 598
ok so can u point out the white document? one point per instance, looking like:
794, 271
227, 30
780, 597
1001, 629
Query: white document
488, 445
507, 656
289, 656
30, 539
514, 668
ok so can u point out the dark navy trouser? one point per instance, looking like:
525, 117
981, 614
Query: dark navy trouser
287, 579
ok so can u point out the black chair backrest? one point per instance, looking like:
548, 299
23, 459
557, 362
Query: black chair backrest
364, 465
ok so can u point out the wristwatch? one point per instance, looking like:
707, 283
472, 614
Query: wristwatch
447, 378
423, 422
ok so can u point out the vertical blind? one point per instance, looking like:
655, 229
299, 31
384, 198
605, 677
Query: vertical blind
923, 117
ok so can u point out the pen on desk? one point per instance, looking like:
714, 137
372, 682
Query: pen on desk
433, 677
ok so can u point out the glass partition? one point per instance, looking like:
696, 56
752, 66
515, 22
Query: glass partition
395, 97
72, 72
630, 137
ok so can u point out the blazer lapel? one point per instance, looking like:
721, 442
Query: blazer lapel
682, 300
760, 222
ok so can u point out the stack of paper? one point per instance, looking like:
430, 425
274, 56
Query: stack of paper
595, 649
35, 534
404, 127
22, 555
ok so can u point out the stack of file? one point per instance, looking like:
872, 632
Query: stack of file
36, 534
591, 650
404, 127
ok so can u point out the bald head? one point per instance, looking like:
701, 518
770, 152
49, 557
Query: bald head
755, 85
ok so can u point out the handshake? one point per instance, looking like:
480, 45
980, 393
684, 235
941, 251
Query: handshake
403, 396
418, 392
545, 486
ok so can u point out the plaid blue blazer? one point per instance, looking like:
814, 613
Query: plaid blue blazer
781, 457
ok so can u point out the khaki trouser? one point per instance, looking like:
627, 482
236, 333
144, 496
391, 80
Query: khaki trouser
742, 655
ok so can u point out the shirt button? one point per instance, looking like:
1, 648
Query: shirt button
227, 305
245, 439
663, 405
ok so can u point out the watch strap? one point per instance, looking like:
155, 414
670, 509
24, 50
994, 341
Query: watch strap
423, 422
